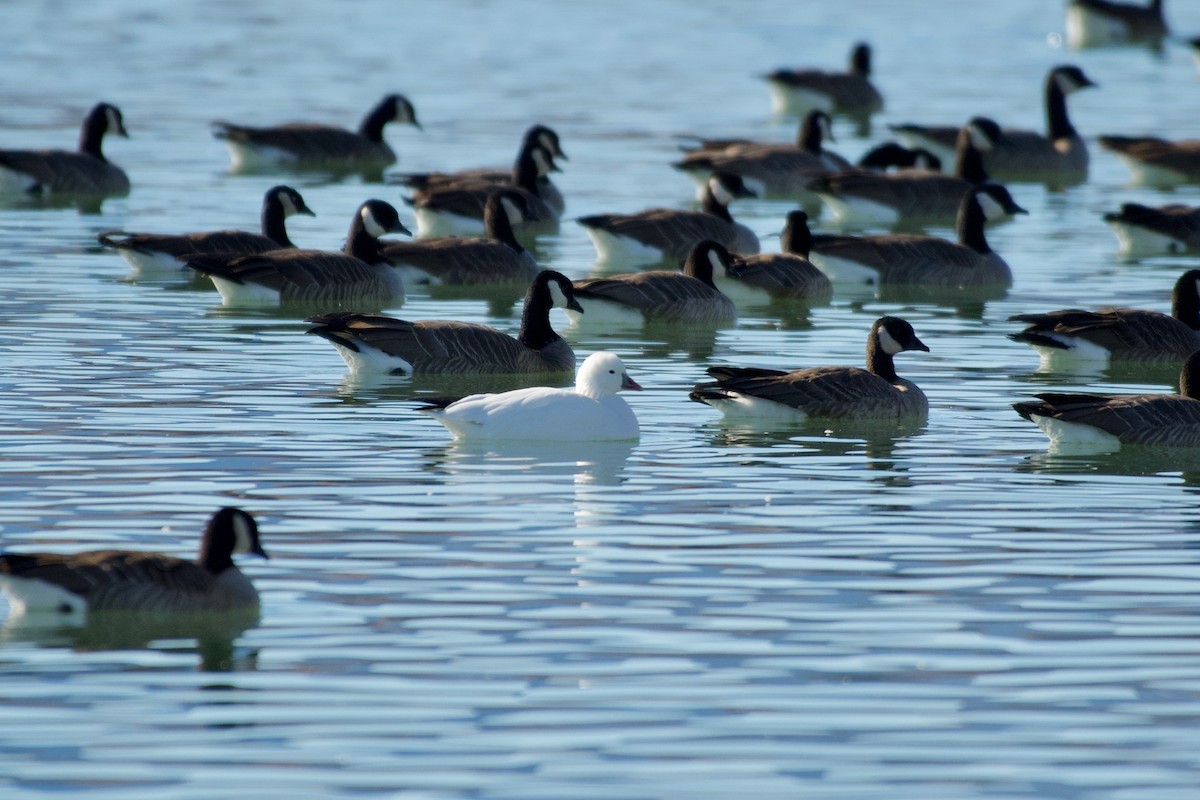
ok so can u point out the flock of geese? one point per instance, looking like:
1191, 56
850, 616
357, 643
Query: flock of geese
472, 228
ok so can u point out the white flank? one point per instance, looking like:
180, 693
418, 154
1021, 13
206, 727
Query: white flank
245, 294
844, 271
158, 265
598, 313
16, 183
1134, 240
798, 102
856, 211
1086, 28
741, 292
438, 223
252, 157
613, 249
370, 360
915, 140
1078, 351
1150, 175
746, 407
1073, 433
26, 594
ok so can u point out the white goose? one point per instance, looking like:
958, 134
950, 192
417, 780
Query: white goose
591, 411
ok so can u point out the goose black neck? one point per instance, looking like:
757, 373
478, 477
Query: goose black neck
796, 238
860, 61
372, 124
216, 550
496, 224
1058, 124
362, 245
970, 224
809, 138
92, 135
878, 360
1185, 300
273, 225
698, 265
711, 205
535, 317
968, 160
525, 172
1189, 378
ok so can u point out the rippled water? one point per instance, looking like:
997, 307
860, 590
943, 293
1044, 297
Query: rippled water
944, 610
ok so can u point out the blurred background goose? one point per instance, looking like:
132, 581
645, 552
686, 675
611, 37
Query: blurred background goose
382, 344
689, 297
666, 234
1157, 162
1118, 334
912, 197
1059, 156
798, 91
130, 580
163, 253
457, 208
462, 261
772, 169
315, 145
788, 275
358, 277
536, 136
591, 411
1152, 230
916, 259
876, 392
84, 171
1110, 421
1099, 22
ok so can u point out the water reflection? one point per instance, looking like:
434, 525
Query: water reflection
211, 636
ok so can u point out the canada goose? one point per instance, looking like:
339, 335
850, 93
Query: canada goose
128, 580
773, 170
664, 234
457, 209
381, 344
1119, 334
916, 259
81, 172
317, 146
689, 297
889, 155
1157, 162
1099, 22
862, 198
150, 253
781, 276
851, 93
591, 411
876, 392
500, 258
1058, 156
1109, 421
1145, 230
359, 276
536, 136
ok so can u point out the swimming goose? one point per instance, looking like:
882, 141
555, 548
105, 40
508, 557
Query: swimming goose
536, 136
773, 170
81, 172
457, 209
314, 145
851, 93
780, 276
461, 261
381, 344
862, 198
1145, 230
591, 411
129, 580
1157, 162
926, 261
689, 297
1060, 155
664, 234
163, 253
891, 155
876, 392
1099, 22
1119, 334
1109, 421
357, 277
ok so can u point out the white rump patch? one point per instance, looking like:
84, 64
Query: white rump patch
798, 102
1150, 175
245, 294
1134, 240
1079, 351
370, 360
27, 594
1076, 434
18, 183
154, 265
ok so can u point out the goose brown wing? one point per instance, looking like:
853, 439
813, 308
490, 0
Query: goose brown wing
463, 261
818, 391
1166, 420
651, 292
672, 231
67, 172
1122, 331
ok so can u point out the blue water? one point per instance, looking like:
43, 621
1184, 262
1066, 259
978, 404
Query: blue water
942, 610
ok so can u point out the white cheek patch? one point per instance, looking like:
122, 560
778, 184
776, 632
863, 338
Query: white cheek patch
543, 163
979, 138
889, 345
1067, 83
371, 224
558, 298
826, 128
720, 192
991, 208
289, 207
515, 217
243, 539
110, 115
717, 262
546, 141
